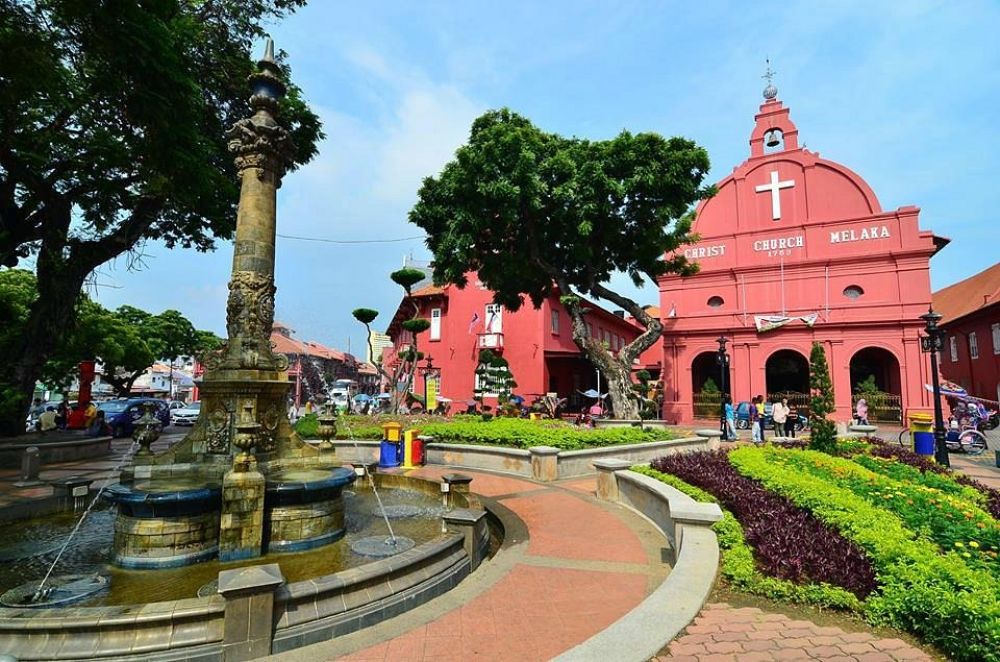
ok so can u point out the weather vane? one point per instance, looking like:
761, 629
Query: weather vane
770, 92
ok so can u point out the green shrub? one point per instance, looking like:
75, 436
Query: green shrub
509, 432
738, 566
935, 596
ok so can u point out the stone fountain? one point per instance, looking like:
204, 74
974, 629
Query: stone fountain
241, 483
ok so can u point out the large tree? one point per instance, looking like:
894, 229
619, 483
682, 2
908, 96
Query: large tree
535, 213
125, 341
113, 118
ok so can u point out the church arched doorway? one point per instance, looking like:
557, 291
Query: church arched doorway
706, 385
786, 371
875, 376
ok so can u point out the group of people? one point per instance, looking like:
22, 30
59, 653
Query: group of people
54, 417
785, 417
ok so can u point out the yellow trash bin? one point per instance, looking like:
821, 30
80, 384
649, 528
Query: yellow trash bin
413, 449
922, 427
390, 431
534, 416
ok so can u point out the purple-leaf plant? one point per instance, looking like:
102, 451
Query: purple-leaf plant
788, 542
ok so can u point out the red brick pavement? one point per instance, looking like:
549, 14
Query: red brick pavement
544, 605
748, 634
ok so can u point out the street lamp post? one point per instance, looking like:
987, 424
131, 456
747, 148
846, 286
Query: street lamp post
722, 358
933, 343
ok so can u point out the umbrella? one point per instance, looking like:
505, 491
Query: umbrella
949, 389
384, 396
517, 399
362, 397
471, 403
591, 393
441, 398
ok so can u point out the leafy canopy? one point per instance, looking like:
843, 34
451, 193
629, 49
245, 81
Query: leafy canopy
116, 113
523, 207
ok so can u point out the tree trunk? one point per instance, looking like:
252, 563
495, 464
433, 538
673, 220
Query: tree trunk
50, 320
617, 370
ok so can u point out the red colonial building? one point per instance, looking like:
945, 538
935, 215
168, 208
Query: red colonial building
971, 321
795, 248
537, 343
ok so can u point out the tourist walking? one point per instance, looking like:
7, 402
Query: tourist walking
779, 414
754, 421
861, 412
760, 418
730, 418
792, 420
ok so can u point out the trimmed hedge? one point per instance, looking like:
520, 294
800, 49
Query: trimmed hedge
936, 596
508, 432
738, 566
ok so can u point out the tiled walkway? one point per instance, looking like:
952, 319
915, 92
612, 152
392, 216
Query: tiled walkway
722, 633
584, 566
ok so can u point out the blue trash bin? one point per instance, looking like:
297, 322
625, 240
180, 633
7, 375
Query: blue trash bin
923, 443
389, 455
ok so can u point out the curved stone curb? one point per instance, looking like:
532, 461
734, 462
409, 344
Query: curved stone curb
645, 630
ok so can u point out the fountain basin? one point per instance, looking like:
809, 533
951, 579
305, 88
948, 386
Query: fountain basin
304, 508
165, 524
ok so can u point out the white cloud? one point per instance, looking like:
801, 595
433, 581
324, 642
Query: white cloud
430, 123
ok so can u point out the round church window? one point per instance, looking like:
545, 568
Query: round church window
853, 291
715, 302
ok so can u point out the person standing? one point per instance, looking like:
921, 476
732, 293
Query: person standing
861, 412
791, 420
730, 419
779, 414
754, 421
760, 418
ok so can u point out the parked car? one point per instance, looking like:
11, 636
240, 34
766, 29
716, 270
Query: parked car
186, 416
743, 415
120, 415
177, 404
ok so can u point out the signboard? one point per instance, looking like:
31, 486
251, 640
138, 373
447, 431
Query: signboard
431, 393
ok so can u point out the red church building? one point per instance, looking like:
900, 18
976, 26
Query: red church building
537, 343
795, 248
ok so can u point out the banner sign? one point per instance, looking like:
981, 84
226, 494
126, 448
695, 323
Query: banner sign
767, 323
432, 394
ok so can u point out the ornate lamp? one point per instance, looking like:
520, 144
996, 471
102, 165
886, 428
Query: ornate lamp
933, 343
327, 427
146, 431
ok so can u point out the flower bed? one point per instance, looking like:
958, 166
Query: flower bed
932, 593
955, 524
878, 448
738, 565
508, 432
788, 542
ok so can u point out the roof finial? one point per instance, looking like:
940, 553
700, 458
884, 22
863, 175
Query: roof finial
770, 92
268, 51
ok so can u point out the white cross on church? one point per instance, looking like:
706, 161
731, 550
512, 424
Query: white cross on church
774, 187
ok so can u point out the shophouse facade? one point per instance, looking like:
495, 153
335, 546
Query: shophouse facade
971, 321
536, 342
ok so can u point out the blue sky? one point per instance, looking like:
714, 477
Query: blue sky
904, 93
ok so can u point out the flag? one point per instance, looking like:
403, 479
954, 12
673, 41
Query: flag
673, 310
810, 320
473, 322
